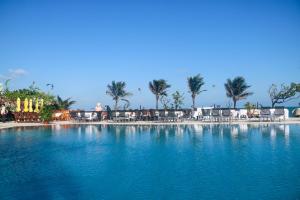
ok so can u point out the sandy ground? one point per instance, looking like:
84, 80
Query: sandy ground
14, 124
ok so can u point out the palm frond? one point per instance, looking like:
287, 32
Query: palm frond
237, 88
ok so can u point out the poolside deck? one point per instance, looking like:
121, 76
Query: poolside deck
15, 124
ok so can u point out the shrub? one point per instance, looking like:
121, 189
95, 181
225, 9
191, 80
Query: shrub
46, 113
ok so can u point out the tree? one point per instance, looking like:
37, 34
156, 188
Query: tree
195, 84
159, 89
177, 99
237, 89
118, 92
283, 94
165, 102
61, 104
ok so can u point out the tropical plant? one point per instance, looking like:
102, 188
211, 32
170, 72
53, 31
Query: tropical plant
195, 84
237, 89
30, 94
250, 108
283, 94
177, 99
46, 113
61, 104
159, 89
117, 90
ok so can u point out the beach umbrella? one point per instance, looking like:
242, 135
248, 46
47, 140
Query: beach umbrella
36, 106
25, 105
30, 106
42, 103
18, 109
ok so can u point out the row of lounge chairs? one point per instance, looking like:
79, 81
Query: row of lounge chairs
264, 114
86, 116
204, 114
211, 115
152, 115
216, 115
135, 115
27, 117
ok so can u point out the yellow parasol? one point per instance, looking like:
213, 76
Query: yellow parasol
42, 103
30, 106
36, 106
18, 109
25, 105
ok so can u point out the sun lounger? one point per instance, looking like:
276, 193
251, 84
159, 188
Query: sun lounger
154, 115
163, 115
206, 115
91, 116
115, 115
123, 116
265, 115
179, 115
138, 115
279, 114
172, 116
226, 115
242, 114
216, 114
187, 114
75, 115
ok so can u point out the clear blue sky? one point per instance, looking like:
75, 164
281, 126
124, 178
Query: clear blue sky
81, 46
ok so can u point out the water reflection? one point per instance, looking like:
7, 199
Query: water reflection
165, 132
195, 132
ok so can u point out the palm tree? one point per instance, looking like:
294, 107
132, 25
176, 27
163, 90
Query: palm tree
117, 91
61, 104
177, 99
159, 89
195, 84
237, 89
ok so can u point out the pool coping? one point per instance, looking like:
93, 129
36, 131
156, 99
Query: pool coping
18, 125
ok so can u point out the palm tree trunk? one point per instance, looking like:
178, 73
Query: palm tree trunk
116, 104
234, 103
157, 98
193, 98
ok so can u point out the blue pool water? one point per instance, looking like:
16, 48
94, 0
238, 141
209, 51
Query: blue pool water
151, 162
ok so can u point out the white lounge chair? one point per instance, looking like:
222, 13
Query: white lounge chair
265, 115
279, 114
226, 115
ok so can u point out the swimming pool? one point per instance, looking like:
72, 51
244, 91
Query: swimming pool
151, 162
